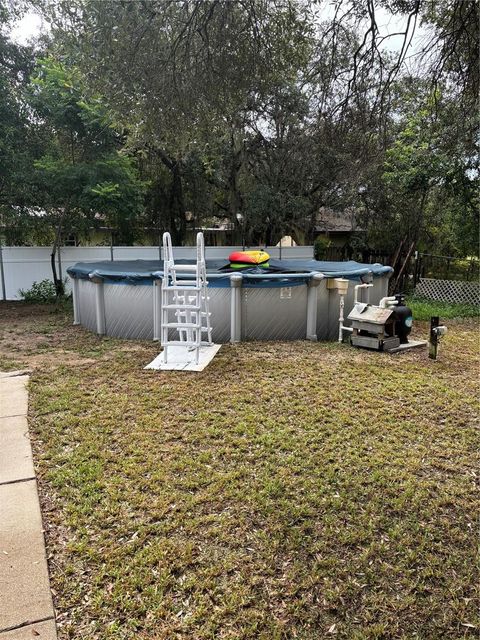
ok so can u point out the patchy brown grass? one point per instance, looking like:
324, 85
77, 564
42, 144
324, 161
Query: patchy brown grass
291, 490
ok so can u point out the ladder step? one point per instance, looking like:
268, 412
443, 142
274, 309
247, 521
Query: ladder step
180, 306
184, 343
184, 326
183, 309
181, 325
192, 268
179, 287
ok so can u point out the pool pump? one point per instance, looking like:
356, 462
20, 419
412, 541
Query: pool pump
385, 327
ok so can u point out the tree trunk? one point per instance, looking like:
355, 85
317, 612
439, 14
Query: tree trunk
235, 201
176, 200
269, 235
59, 286
177, 207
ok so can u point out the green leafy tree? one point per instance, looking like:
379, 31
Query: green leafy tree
184, 75
20, 137
424, 190
83, 177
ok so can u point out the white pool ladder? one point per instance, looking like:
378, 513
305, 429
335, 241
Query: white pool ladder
184, 296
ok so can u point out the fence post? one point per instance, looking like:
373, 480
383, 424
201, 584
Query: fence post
2, 273
415, 268
59, 258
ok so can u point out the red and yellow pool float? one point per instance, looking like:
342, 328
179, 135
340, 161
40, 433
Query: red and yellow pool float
245, 259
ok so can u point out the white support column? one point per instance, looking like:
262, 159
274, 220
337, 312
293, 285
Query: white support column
157, 309
99, 303
236, 307
312, 305
76, 306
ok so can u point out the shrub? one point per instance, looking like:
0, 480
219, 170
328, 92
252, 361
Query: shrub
43, 292
321, 247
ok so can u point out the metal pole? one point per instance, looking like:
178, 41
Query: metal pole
2, 273
111, 246
433, 338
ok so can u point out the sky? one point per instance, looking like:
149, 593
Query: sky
30, 26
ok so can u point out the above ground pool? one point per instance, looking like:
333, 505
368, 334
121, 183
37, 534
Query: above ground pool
288, 300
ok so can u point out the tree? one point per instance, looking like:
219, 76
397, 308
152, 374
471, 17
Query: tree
183, 74
20, 139
82, 176
424, 188
259, 110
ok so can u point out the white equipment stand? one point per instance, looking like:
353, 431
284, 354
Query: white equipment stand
185, 309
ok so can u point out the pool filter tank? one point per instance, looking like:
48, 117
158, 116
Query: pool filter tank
403, 319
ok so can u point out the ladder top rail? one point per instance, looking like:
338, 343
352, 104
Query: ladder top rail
200, 247
167, 248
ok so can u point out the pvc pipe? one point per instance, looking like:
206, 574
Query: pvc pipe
388, 300
76, 306
357, 287
341, 318
341, 326
312, 299
236, 308
157, 309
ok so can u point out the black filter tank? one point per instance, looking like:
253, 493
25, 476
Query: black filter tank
403, 319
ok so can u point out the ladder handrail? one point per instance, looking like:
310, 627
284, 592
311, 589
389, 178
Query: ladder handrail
167, 248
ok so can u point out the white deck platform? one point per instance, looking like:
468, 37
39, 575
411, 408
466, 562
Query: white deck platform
181, 359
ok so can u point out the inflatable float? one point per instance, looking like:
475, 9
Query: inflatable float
245, 259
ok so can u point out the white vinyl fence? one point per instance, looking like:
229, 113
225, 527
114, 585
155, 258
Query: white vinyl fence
20, 267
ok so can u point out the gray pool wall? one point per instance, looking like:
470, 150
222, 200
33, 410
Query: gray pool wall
267, 313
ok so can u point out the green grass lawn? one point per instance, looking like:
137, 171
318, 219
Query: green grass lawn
424, 309
290, 491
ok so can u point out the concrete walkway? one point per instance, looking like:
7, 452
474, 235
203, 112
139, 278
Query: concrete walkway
26, 607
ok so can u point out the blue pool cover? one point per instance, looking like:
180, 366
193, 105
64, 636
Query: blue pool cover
219, 271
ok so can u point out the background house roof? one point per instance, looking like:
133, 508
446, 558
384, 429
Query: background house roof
330, 221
